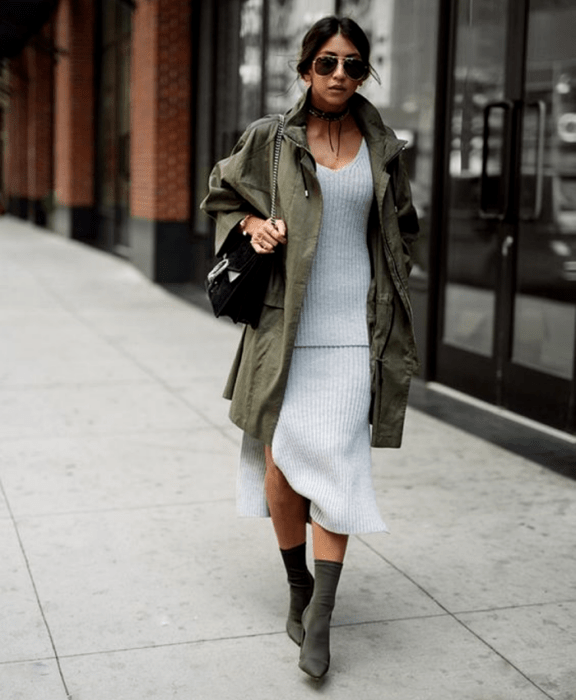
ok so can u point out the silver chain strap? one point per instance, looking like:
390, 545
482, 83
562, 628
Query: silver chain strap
277, 147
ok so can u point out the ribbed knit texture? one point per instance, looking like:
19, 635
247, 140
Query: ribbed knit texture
322, 439
334, 308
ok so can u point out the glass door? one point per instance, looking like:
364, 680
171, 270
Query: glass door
476, 227
509, 280
540, 377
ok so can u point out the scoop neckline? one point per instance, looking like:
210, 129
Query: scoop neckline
346, 165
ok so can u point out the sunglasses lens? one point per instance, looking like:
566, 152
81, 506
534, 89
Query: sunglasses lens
355, 69
325, 65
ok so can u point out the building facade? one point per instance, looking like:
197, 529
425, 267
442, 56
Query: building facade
115, 113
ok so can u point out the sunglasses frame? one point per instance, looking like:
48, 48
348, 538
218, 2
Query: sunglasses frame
343, 61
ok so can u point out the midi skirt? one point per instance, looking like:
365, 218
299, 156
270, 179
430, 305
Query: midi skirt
321, 443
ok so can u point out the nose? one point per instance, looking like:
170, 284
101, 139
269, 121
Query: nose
339, 70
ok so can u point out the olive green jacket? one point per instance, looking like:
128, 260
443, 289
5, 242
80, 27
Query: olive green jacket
241, 184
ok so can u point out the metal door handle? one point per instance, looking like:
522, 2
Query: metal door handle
499, 212
540, 106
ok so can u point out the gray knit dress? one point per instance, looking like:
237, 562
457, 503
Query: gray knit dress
322, 439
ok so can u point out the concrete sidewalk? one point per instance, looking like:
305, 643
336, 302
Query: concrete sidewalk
126, 574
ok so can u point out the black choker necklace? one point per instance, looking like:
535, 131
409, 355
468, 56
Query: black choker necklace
328, 116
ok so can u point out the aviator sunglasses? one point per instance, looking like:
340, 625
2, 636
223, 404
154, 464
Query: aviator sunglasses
354, 68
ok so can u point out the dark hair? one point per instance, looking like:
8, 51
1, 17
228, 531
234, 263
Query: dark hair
325, 29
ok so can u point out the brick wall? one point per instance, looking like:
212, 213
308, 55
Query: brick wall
17, 120
29, 125
39, 137
143, 143
160, 104
74, 104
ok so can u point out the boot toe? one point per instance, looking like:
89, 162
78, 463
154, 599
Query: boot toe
294, 631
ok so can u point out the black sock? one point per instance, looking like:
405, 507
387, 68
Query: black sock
296, 568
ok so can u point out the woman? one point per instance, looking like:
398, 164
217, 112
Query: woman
334, 349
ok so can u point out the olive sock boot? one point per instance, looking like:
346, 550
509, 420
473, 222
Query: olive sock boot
301, 587
315, 651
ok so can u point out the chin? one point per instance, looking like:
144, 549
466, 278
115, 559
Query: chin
336, 101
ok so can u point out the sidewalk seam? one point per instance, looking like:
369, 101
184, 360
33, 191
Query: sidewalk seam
455, 618
123, 509
35, 589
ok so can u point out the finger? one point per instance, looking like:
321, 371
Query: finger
272, 234
262, 247
268, 238
281, 227
269, 241
279, 236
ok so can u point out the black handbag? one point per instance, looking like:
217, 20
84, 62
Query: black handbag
236, 285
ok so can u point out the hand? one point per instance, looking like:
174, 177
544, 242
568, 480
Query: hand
264, 235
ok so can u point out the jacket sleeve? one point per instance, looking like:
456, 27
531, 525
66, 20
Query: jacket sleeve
224, 204
405, 211
226, 207
228, 179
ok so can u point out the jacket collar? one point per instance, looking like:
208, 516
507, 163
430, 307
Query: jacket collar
381, 140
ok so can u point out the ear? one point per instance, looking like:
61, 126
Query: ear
307, 78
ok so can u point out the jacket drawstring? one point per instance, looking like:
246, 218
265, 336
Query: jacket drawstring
306, 193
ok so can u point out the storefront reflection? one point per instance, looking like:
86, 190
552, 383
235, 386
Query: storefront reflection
514, 231
545, 302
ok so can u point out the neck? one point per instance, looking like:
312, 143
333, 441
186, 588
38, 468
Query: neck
328, 116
